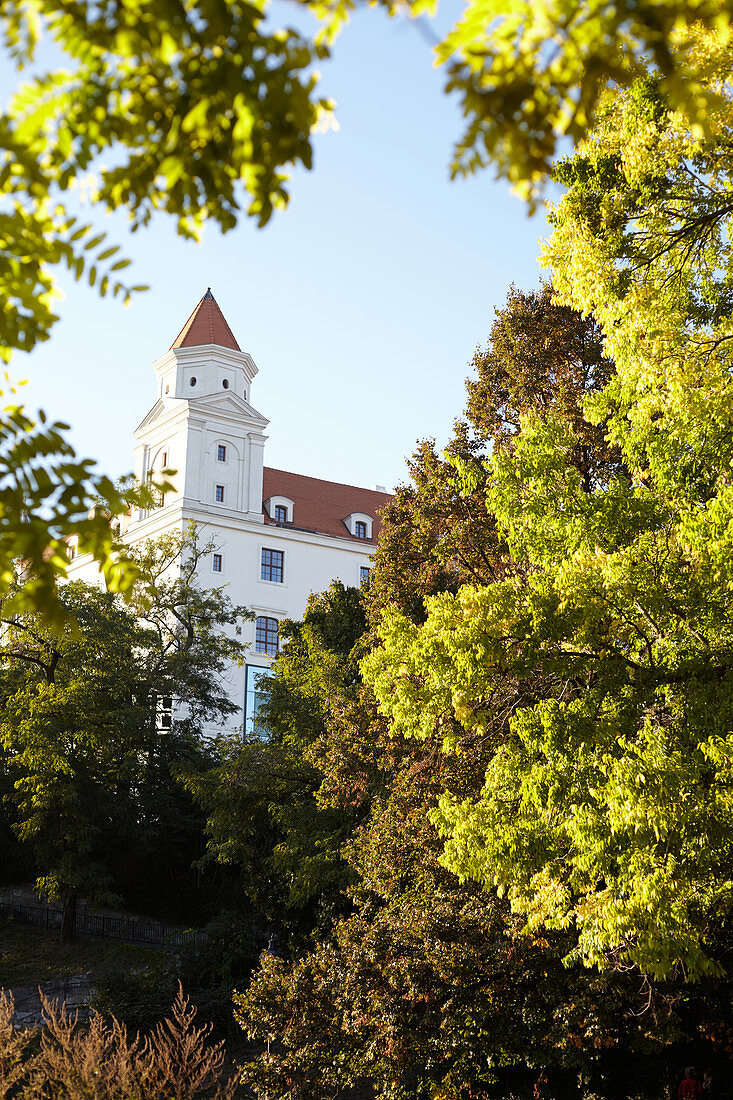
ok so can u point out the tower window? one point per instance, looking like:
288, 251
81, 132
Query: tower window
225, 383
266, 635
193, 381
217, 563
272, 565
281, 513
364, 572
221, 453
164, 462
219, 494
360, 529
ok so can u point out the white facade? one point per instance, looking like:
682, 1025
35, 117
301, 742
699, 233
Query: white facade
279, 536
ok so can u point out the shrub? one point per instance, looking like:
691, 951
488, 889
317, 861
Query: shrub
67, 1059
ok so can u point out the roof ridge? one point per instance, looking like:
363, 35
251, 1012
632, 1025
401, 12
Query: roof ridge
328, 481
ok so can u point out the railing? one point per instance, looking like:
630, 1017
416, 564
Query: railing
105, 926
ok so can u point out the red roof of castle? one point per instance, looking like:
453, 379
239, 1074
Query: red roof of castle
323, 506
206, 325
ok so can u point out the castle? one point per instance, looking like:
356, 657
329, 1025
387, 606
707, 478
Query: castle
279, 536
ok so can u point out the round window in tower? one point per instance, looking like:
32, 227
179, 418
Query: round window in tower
193, 381
225, 383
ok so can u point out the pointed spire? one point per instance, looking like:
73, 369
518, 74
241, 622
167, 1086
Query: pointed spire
206, 325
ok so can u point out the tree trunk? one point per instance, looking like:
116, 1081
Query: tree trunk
68, 916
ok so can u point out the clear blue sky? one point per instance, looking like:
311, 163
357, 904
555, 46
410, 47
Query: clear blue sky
361, 304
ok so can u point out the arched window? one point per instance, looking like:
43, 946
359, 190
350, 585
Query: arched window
266, 635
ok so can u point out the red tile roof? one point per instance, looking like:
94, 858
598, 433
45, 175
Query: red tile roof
206, 325
323, 506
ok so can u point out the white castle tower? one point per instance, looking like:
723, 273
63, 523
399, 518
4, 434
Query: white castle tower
279, 535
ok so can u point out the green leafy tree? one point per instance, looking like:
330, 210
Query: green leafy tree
427, 982
82, 731
606, 807
263, 811
439, 532
428, 985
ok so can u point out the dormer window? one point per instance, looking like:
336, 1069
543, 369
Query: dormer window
359, 525
280, 508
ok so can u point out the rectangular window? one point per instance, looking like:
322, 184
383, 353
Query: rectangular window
220, 494
165, 712
221, 453
266, 635
281, 513
360, 529
272, 565
364, 572
165, 460
253, 696
217, 563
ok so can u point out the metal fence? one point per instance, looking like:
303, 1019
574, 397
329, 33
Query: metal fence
105, 926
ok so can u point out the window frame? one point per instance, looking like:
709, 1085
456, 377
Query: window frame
281, 508
263, 635
271, 566
217, 498
221, 452
217, 563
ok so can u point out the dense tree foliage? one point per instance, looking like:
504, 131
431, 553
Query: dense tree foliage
429, 985
263, 814
439, 531
90, 745
607, 804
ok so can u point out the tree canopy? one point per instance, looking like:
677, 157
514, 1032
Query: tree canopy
607, 803
90, 744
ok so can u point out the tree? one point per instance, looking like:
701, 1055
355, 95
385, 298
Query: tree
82, 736
439, 533
428, 983
607, 804
261, 800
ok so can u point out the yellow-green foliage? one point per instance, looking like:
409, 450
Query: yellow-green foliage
608, 803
